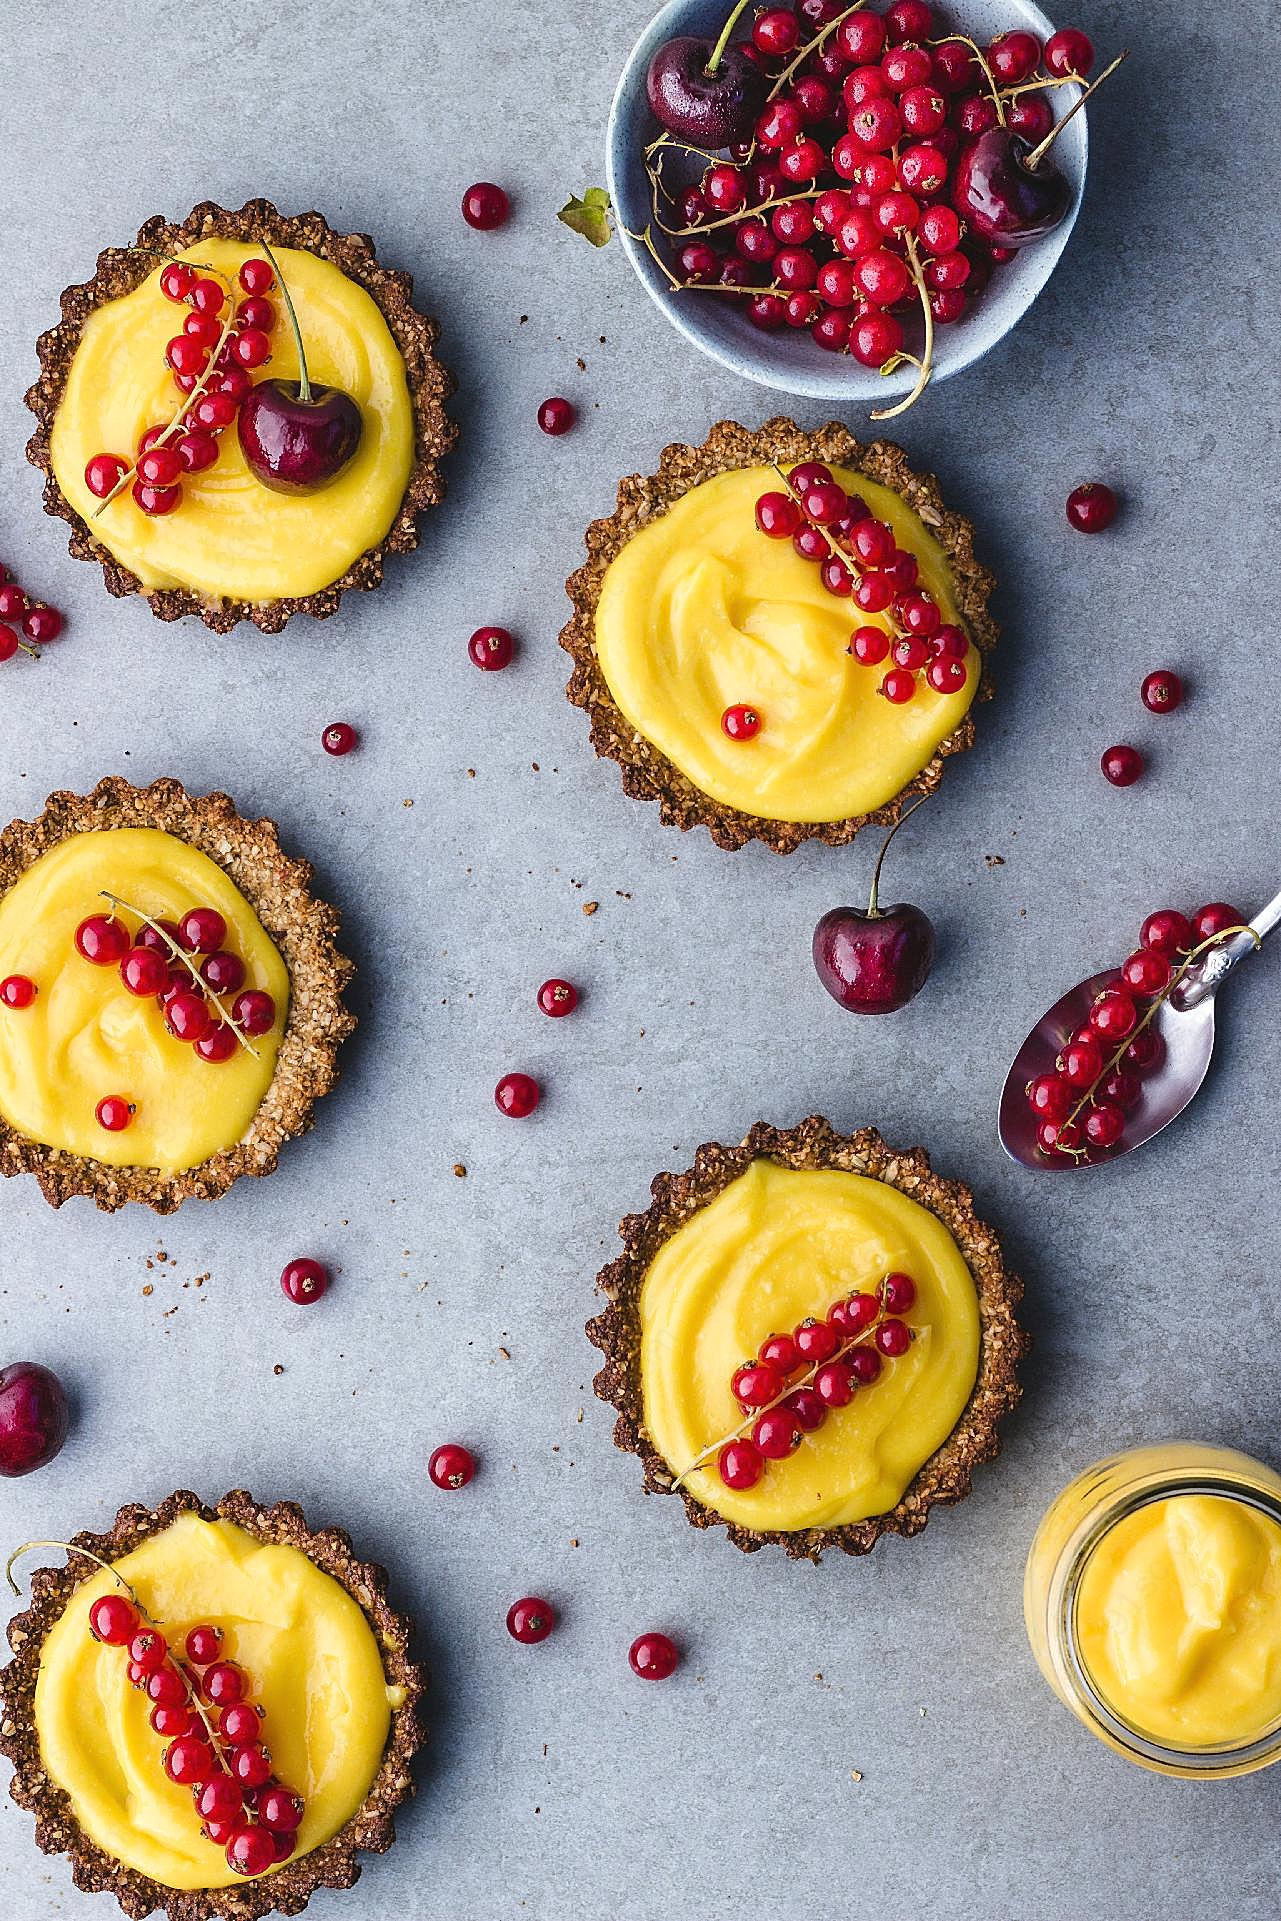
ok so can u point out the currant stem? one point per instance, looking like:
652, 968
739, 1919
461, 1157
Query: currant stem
723, 42
998, 100
304, 379
925, 365
811, 47
69, 1547
1038, 154
181, 954
873, 904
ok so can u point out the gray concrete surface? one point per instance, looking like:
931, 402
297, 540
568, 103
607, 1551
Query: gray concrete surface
557, 1786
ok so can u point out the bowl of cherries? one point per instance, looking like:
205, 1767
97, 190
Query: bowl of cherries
849, 201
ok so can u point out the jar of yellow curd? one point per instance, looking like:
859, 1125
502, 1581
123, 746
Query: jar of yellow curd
1153, 1605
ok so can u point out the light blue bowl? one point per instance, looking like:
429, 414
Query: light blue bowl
790, 360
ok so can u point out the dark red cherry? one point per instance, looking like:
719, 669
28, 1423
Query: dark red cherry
1001, 197
710, 109
297, 444
33, 1417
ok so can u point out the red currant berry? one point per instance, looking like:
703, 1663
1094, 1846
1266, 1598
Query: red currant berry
113, 1113
860, 1311
777, 515
906, 67
940, 230
556, 416
893, 1338
557, 998
251, 1765
13, 602
869, 646
166, 1687
197, 451
188, 1016
177, 280
1146, 972
831, 332
725, 189
256, 313
485, 206
909, 20
653, 1656
339, 738
860, 38
810, 1411
1104, 1125
207, 297
1069, 53
113, 1620
491, 648
203, 1645
977, 114
1217, 918
882, 277
779, 1350
250, 1851
1030, 116
451, 1466
877, 125
517, 1095
217, 1044
740, 1465
1145, 1052
240, 1724
923, 170
187, 356
740, 723
1167, 932
1162, 691
304, 1281
1013, 57
156, 501
144, 971
202, 327
946, 676
815, 1341
17, 991
224, 973
909, 651
756, 1384
1120, 1087
202, 930
224, 1684
102, 940
1122, 765
1114, 1015
8, 643
1058, 1137
864, 1363
280, 1809
530, 1620
252, 348
219, 1799
189, 1761
777, 1433
171, 1722
898, 1293
254, 1012
1081, 1061
834, 1384
898, 686
1050, 1097
104, 473
1091, 507
924, 110
954, 66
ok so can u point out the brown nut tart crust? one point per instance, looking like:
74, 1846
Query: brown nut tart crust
278, 888
646, 772
121, 269
946, 1477
287, 1889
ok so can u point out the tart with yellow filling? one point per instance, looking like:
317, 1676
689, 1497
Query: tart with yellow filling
212, 1710
719, 665
134, 361
170, 996
810, 1337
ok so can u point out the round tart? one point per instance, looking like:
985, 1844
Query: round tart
716, 666
170, 996
810, 1337
235, 548
294, 1639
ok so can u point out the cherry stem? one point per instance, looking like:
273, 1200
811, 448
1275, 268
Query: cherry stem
304, 379
1038, 154
723, 42
69, 1547
1175, 981
181, 954
873, 903
858, 1340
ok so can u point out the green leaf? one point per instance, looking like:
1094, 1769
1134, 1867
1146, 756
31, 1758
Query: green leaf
590, 216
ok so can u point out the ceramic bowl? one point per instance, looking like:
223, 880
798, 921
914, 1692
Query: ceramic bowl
790, 360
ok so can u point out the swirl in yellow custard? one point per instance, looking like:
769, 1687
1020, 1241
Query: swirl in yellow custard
701, 612
1178, 1620
313, 1664
775, 1246
86, 1036
231, 537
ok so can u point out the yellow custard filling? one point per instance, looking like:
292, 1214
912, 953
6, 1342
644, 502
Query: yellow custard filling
231, 536
85, 1036
774, 1247
313, 1663
1178, 1620
701, 612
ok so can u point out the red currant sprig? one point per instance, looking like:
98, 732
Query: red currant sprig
1082, 1102
796, 1379
25, 624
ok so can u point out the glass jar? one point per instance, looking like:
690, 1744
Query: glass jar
1070, 1534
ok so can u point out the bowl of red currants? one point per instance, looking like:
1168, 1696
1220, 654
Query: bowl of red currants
845, 201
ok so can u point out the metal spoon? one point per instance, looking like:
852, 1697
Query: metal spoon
1185, 1023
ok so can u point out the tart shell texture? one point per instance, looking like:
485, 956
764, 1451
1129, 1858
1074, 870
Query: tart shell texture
750, 1242
85, 1037
234, 549
328, 1660
684, 609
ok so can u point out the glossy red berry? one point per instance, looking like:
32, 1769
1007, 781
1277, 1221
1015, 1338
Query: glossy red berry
740, 1465
834, 1384
304, 1281
224, 1684
251, 1851
485, 206
1081, 1061
177, 280
13, 602
491, 649
203, 1645
898, 1293
252, 348
257, 276
41, 624
1091, 507
339, 738
898, 686
188, 1017
1122, 765
217, 1044
740, 723
893, 1338
1162, 691
1145, 972
451, 1466
779, 1350
1113, 1016
280, 1809
1104, 1124
557, 998
1145, 1052
17, 991
1217, 918
1166, 932
777, 1433
251, 1765
756, 1384
113, 1113
815, 1341
517, 1095
254, 1012
219, 1799
202, 930
207, 296
102, 940
530, 1620
778, 515
909, 20
240, 1724
8, 643
171, 1722
198, 449
557, 416
222, 972
653, 1656
155, 502
1069, 52
166, 1687
189, 1761
1013, 57
864, 1363
113, 1620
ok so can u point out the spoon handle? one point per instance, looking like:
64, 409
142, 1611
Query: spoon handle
1219, 963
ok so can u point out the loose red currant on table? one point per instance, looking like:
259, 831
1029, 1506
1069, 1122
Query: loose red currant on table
517, 1095
485, 206
1122, 765
556, 416
491, 649
13, 602
451, 1466
114, 1113
1091, 507
740, 723
1162, 691
557, 998
304, 1281
8, 643
113, 1620
653, 1656
530, 1620
339, 738
17, 991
